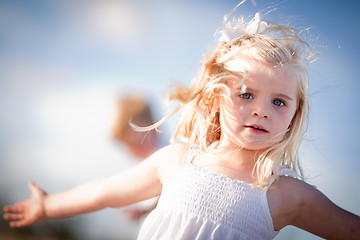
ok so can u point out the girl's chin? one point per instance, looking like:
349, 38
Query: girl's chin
247, 143
253, 146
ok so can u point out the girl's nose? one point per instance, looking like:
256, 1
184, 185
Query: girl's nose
260, 110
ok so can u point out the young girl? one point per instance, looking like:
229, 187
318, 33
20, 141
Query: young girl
232, 170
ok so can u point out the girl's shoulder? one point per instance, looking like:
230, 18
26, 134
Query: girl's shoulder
171, 153
288, 197
168, 159
283, 199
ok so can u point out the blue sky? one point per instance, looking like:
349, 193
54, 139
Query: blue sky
63, 63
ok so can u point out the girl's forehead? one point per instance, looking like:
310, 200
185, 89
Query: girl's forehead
257, 70
278, 79
244, 66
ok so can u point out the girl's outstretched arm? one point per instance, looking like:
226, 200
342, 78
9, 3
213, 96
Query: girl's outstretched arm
127, 187
303, 206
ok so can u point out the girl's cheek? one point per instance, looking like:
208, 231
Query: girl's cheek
285, 115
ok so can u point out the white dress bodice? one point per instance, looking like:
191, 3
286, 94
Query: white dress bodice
202, 204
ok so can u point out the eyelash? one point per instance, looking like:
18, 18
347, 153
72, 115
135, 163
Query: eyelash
276, 102
282, 103
249, 95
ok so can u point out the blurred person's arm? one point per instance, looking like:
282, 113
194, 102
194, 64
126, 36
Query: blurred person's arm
130, 186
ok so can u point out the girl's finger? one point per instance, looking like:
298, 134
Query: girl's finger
35, 190
13, 217
13, 209
17, 224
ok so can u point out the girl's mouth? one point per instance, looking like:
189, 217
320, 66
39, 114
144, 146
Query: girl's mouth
257, 128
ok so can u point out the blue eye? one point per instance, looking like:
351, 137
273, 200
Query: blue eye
278, 102
246, 96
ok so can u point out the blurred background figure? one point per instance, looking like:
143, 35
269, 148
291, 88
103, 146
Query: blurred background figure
134, 109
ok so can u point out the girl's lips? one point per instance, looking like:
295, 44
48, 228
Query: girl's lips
256, 128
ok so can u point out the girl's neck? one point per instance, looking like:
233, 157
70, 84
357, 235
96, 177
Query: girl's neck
235, 156
236, 163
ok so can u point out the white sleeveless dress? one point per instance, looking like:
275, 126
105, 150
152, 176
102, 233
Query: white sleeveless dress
202, 204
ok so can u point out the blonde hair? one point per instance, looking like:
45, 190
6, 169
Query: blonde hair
277, 46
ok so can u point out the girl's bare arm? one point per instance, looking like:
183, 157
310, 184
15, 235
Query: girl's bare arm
301, 205
130, 186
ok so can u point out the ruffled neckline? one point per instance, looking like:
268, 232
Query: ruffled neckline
222, 176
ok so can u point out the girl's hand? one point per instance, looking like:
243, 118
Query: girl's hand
29, 211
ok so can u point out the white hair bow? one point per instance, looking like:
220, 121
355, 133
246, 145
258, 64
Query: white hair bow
237, 28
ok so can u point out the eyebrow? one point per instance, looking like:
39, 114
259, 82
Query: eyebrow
281, 95
285, 96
